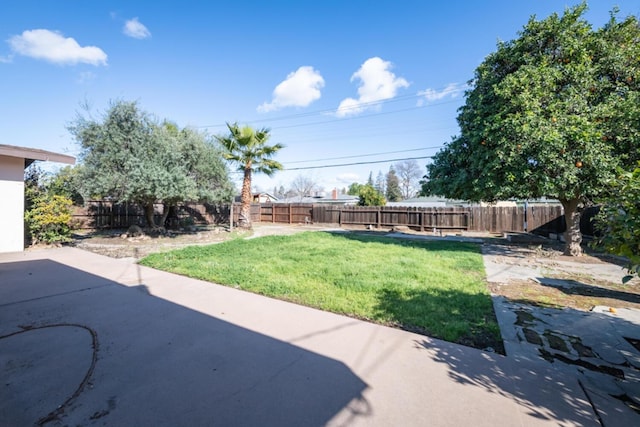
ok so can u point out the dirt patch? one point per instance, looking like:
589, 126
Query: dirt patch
582, 297
117, 244
561, 281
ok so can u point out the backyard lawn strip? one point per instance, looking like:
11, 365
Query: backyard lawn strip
436, 288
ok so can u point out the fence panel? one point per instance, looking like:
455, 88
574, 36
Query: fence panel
301, 213
541, 219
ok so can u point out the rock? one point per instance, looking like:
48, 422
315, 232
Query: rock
134, 231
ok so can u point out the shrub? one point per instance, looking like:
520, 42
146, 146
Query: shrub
369, 196
48, 219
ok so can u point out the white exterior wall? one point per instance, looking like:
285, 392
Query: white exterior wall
12, 200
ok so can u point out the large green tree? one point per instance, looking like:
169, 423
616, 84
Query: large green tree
248, 149
129, 157
552, 113
619, 219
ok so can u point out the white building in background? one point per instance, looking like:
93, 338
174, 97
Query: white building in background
13, 162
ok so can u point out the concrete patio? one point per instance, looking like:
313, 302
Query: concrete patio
90, 340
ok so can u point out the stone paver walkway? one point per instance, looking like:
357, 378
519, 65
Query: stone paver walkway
600, 347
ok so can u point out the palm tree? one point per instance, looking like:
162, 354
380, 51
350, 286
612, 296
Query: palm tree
247, 148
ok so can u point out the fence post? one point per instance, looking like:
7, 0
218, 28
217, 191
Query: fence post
421, 220
378, 217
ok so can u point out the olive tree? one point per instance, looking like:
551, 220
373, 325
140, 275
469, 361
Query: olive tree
552, 113
128, 157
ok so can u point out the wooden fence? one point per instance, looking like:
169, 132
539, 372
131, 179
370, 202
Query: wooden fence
98, 214
541, 219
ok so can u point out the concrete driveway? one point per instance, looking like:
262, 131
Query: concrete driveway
89, 340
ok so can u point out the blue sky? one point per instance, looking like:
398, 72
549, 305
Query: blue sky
336, 81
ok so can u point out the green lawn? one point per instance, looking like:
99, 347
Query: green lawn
433, 287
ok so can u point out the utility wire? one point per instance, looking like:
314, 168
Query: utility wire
357, 163
333, 110
365, 155
365, 116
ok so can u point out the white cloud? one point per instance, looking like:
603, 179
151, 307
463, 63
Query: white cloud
377, 83
52, 46
452, 90
136, 29
299, 89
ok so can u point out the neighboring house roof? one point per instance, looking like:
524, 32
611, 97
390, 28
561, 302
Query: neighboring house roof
429, 202
30, 155
340, 199
266, 197
435, 201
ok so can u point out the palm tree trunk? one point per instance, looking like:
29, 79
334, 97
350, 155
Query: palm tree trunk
244, 218
572, 235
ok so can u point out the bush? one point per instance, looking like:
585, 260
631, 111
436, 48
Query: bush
48, 219
369, 196
619, 219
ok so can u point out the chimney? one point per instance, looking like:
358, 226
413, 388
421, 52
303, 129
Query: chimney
334, 194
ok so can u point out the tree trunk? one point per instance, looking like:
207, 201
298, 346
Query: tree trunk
572, 235
148, 215
244, 218
167, 210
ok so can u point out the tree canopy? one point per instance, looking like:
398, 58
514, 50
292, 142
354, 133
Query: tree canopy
619, 219
129, 157
552, 113
248, 149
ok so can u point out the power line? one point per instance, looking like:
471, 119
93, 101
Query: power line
333, 110
365, 155
358, 163
322, 136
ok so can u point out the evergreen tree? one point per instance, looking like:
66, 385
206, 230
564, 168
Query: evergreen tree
393, 193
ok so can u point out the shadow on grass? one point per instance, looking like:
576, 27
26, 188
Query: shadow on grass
469, 317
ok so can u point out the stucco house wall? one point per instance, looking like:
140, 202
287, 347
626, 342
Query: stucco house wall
13, 161
11, 213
